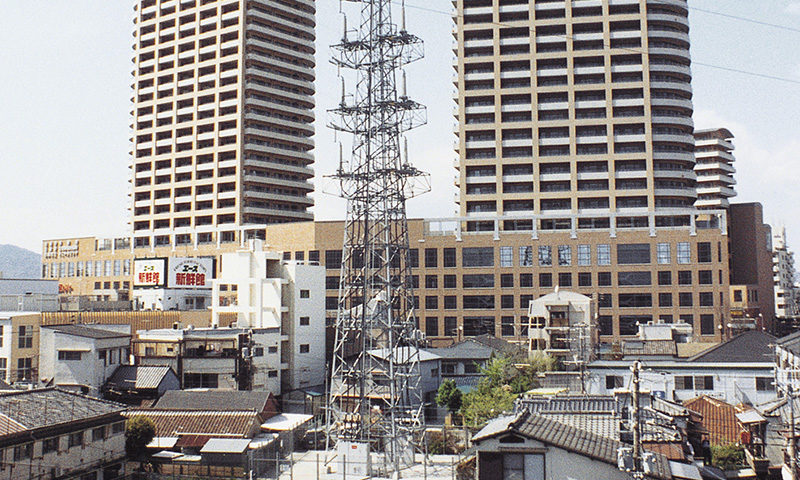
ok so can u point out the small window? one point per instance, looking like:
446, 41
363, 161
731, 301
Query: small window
75, 439
305, 321
98, 434
50, 445
614, 381
305, 348
272, 349
69, 355
765, 384
272, 373
305, 294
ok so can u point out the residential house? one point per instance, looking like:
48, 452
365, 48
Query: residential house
135, 384
81, 357
739, 370
52, 433
527, 445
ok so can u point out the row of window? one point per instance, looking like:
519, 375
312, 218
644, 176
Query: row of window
626, 254
693, 382
88, 268
59, 444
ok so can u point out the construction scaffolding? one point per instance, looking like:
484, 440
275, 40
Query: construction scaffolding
374, 409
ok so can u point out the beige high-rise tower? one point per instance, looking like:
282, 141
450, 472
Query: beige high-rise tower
580, 109
222, 117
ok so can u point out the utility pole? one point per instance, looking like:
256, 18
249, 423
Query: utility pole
792, 442
637, 434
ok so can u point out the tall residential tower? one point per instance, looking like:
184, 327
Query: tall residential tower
222, 117
574, 108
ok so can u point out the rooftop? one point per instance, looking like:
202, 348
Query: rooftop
31, 409
467, 349
172, 423
649, 347
216, 400
753, 346
719, 419
128, 377
86, 332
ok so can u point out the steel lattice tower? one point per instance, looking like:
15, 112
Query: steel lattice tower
374, 397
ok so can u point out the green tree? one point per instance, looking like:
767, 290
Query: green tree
728, 456
139, 431
449, 396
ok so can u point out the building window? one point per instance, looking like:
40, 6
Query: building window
4, 369
506, 281
49, 445
272, 349
629, 324
25, 369
706, 324
664, 299
584, 255
564, 255
635, 278
75, 439
687, 318
605, 325
605, 300
305, 348
25, 338
474, 326
523, 466
313, 256
614, 382
333, 259
272, 374
431, 281
23, 452
545, 280
705, 277
604, 279
507, 326
685, 299
704, 252
413, 257
603, 254
474, 302
545, 256
71, 355
633, 253
432, 326
685, 277
331, 303
665, 277
525, 256
525, 301
506, 256
478, 280
663, 254
635, 300
526, 280
449, 257
449, 281
305, 294
506, 301
684, 253
765, 384
450, 326
98, 434
305, 321
200, 380
584, 279
737, 295
477, 257
565, 279
431, 258
450, 302
431, 302
332, 283
706, 299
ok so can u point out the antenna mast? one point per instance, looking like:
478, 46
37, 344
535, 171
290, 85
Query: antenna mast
374, 402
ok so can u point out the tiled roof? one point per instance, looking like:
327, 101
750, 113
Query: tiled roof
213, 400
84, 331
173, 423
719, 419
671, 450
469, 349
649, 347
498, 344
749, 347
567, 437
791, 342
668, 408
50, 406
128, 377
570, 404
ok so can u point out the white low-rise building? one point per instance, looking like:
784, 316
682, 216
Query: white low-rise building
81, 357
560, 324
740, 370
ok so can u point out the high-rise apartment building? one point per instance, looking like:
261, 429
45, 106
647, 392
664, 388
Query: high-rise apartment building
574, 108
222, 118
714, 168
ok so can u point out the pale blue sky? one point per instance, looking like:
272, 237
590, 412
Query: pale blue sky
65, 71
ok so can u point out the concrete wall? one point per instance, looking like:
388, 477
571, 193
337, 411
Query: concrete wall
733, 384
305, 369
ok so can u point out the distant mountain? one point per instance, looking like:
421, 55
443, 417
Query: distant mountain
16, 262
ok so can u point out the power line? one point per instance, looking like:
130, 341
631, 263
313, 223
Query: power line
645, 52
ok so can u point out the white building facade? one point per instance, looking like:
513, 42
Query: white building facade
786, 304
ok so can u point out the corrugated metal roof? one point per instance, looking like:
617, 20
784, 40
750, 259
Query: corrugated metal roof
138, 376
171, 423
403, 354
51, 406
84, 331
225, 445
